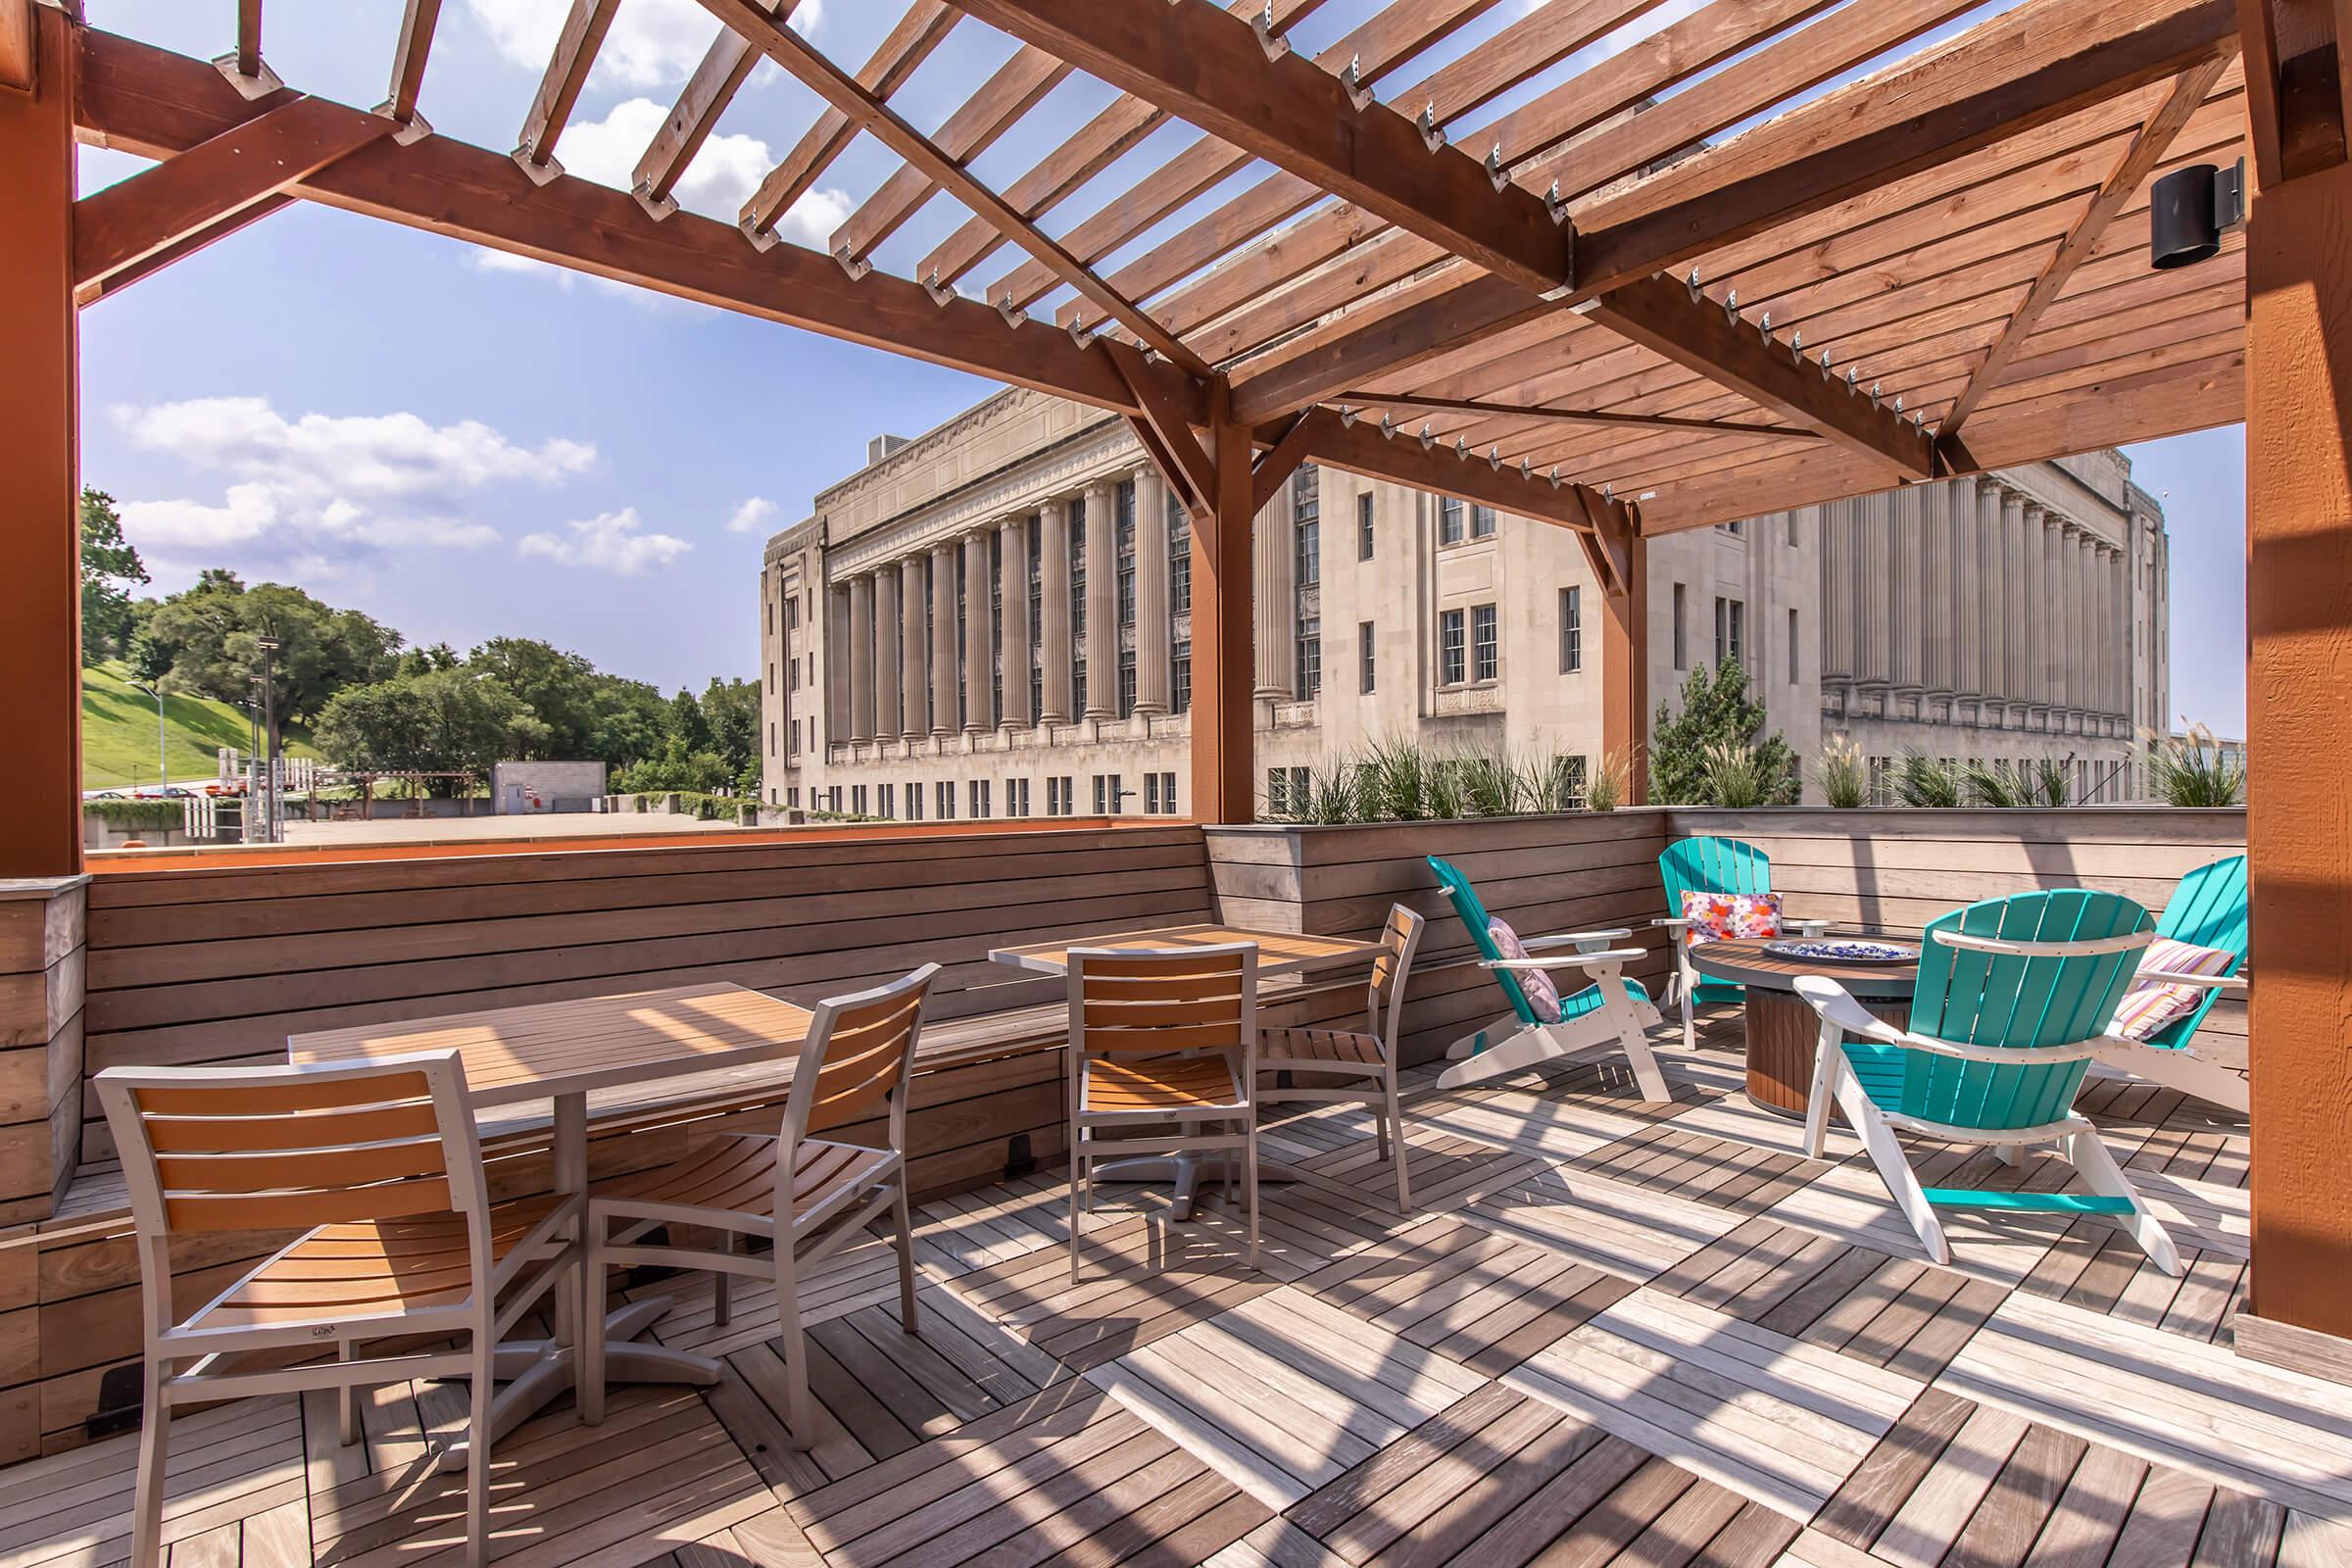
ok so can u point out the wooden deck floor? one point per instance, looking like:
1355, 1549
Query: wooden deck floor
1611, 1333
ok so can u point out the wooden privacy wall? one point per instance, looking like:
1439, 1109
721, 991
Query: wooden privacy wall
222, 965
1543, 875
1896, 869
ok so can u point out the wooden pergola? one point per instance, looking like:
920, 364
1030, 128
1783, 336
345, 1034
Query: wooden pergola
1671, 289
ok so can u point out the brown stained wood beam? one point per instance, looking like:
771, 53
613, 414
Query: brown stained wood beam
726, 66
1360, 448
920, 30
17, 47
154, 104
1102, 141
1012, 92
1164, 427
417, 26
878, 120
1660, 315
1208, 68
1536, 411
2259, 34
115, 281
2148, 150
1268, 474
1806, 160
566, 73
210, 190
248, 37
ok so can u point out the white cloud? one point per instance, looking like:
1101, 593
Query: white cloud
653, 43
324, 487
726, 171
755, 510
609, 541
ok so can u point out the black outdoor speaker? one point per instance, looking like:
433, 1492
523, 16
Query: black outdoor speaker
2189, 209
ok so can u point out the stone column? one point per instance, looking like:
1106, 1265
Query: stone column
889, 722
1275, 628
2079, 619
2020, 633
1838, 591
1961, 503
1991, 594
1937, 585
1101, 600
1153, 631
1053, 612
979, 649
944, 718
837, 663
914, 651
861, 658
1012, 607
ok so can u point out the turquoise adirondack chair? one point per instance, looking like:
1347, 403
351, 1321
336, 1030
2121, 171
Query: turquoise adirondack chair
1712, 865
2014, 999
2208, 909
1612, 1005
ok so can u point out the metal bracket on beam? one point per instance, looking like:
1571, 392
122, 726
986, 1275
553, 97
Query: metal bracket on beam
1351, 79
411, 131
1273, 43
1080, 333
660, 206
942, 295
1013, 315
1432, 134
526, 158
259, 85
854, 265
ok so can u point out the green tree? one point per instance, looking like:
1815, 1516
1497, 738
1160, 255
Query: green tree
434, 721
630, 722
1717, 712
109, 566
215, 627
424, 660
675, 769
687, 722
731, 709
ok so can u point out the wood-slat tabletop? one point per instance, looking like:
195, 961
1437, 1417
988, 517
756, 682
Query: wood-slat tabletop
517, 1056
1278, 952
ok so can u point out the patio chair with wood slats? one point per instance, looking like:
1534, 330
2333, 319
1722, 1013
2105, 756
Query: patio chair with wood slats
1367, 1057
379, 1166
2207, 910
1720, 866
1163, 1044
2013, 1002
803, 1193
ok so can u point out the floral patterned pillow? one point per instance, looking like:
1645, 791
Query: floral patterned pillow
1543, 997
1732, 917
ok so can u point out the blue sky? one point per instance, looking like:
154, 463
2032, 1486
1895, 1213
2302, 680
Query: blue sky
467, 446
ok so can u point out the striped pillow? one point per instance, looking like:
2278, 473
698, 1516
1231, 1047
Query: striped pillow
2150, 1007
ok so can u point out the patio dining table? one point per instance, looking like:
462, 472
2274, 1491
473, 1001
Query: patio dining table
1279, 953
564, 1064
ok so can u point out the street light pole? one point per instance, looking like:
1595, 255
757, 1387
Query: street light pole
269, 647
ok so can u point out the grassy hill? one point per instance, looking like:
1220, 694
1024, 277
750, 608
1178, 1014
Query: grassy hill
118, 732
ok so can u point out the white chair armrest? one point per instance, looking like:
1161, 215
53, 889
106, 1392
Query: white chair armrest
1831, 999
1810, 928
1568, 961
1672, 923
2232, 984
1574, 938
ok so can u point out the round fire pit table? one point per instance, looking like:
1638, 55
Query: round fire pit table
1782, 1030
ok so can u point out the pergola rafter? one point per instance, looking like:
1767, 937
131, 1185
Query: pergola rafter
583, 34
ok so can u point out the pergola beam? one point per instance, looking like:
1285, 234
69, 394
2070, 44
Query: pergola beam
566, 73
1540, 412
2148, 150
830, 82
154, 104
726, 66
1209, 67
1807, 161
248, 37
416, 23
175, 208
1360, 446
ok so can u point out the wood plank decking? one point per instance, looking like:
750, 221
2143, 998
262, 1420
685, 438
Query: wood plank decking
1610, 1334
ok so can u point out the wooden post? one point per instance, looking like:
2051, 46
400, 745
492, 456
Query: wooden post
1625, 668
1223, 681
2300, 735
40, 547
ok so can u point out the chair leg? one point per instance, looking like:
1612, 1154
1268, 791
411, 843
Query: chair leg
1250, 1178
477, 1446
1687, 985
1404, 1191
799, 1413
1077, 1161
2099, 1171
1638, 1055
905, 1255
591, 1347
147, 1524
1887, 1154
1828, 1063
347, 1402
722, 1291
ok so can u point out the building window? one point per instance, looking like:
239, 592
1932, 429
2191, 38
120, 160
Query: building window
1118, 796
1016, 797
792, 797
1152, 794
792, 675
1124, 553
858, 799
1363, 526
1453, 651
1792, 655
979, 797
996, 623
1035, 569
1486, 658
1482, 522
1682, 631
1099, 795
793, 737
1077, 606
1363, 657
915, 801
1126, 682
1167, 792
965, 607
792, 613
1572, 631
771, 737
1730, 617
833, 799
1449, 519
1180, 608
1306, 528
1310, 657
888, 799
944, 798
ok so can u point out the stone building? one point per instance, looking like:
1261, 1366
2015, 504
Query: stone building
993, 619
